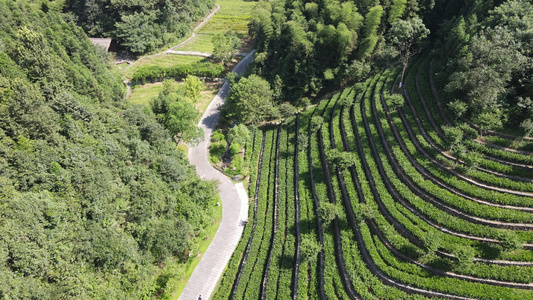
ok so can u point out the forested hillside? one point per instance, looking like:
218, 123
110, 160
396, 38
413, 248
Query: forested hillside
139, 26
485, 64
303, 46
95, 201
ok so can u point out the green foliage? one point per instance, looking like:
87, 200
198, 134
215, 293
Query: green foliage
458, 108
465, 256
310, 249
431, 241
193, 87
397, 10
217, 136
370, 37
316, 123
137, 32
395, 100
310, 47
488, 120
250, 101
156, 73
527, 127
405, 36
454, 136
178, 116
286, 110
139, 26
92, 192
341, 159
225, 45
363, 211
510, 241
216, 150
234, 149
490, 68
239, 134
328, 212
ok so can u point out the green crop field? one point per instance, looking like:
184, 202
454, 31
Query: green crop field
356, 199
233, 15
164, 60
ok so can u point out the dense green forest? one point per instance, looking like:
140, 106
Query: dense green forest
138, 26
95, 200
483, 50
485, 63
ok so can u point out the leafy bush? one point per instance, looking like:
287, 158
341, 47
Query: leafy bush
234, 149
158, 73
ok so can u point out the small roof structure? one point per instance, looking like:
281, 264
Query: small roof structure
101, 42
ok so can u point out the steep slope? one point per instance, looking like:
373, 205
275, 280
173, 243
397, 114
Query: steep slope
95, 201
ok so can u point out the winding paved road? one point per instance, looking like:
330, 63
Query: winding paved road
234, 204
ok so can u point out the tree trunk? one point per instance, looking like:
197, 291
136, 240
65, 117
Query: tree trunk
405, 63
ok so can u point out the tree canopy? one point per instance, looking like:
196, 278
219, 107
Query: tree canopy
250, 101
139, 26
488, 63
95, 200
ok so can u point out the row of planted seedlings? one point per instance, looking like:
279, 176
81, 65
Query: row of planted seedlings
492, 139
460, 188
250, 284
453, 190
311, 268
427, 93
226, 286
494, 154
395, 133
338, 190
338, 220
279, 277
455, 138
459, 183
364, 284
367, 279
432, 143
247, 281
377, 198
332, 282
403, 162
360, 186
390, 261
497, 271
269, 264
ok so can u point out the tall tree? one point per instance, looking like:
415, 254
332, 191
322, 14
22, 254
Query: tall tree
225, 44
250, 101
178, 116
405, 37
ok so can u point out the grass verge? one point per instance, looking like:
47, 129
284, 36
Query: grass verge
192, 263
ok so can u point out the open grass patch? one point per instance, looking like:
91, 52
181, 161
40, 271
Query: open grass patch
163, 60
142, 94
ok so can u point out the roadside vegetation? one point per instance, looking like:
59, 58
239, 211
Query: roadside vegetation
95, 200
414, 183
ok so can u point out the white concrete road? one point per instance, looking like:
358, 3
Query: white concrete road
234, 204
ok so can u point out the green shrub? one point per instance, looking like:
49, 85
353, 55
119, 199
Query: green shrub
217, 136
234, 149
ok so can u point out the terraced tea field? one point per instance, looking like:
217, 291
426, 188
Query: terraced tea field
356, 199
